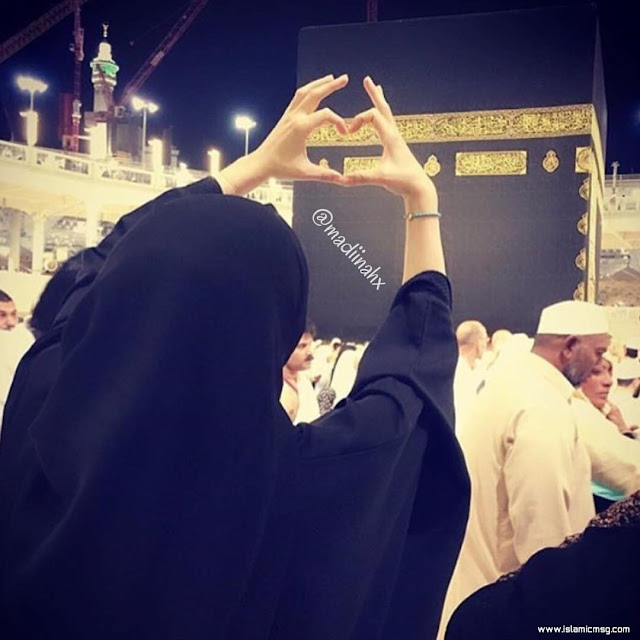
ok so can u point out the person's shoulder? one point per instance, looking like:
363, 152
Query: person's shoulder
511, 380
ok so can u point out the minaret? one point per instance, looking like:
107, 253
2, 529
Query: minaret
104, 71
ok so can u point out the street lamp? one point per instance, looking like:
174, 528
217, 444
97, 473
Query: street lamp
146, 107
245, 123
33, 86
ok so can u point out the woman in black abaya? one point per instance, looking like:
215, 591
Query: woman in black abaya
151, 486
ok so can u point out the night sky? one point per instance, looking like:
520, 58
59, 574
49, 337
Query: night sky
240, 56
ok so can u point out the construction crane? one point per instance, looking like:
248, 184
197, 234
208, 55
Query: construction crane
70, 136
78, 56
185, 20
38, 27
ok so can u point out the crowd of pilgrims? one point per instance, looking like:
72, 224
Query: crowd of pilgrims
320, 373
225, 474
606, 415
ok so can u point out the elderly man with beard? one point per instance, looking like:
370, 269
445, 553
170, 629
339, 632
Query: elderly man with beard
529, 467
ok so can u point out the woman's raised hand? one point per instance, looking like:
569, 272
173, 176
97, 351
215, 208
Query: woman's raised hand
398, 171
284, 149
283, 153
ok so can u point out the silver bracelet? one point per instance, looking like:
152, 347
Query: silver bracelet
422, 214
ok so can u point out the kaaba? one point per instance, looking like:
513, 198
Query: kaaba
506, 112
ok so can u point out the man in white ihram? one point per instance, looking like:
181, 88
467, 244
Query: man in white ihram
472, 339
530, 470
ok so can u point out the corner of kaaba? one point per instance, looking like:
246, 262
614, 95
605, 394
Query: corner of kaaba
506, 112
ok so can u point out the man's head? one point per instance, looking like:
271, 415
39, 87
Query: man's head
573, 336
499, 338
472, 340
302, 356
8, 312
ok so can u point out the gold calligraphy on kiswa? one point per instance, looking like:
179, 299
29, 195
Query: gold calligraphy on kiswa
491, 163
501, 124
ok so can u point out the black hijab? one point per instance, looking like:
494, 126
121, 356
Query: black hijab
151, 500
151, 486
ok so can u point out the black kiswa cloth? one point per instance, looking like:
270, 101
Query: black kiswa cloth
158, 489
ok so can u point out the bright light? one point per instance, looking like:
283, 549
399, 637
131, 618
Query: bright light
139, 104
31, 118
214, 161
146, 107
156, 154
244, 123
33, 85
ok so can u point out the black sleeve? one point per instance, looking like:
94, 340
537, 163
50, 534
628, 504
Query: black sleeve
367, 475
408, 365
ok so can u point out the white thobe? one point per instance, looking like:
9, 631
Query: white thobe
530, 474
615, 459
308, 408
465, 387
628, 405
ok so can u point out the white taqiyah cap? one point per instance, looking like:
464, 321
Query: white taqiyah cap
628, 369
573, 318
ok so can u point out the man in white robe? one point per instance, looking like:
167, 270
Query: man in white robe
472, 339
530, 470
298, 396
